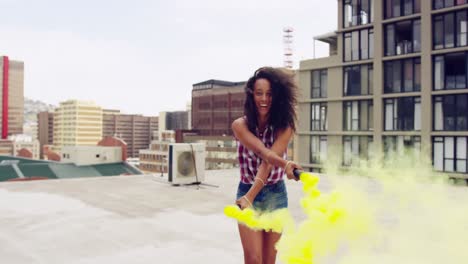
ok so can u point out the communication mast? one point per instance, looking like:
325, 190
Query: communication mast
288, 50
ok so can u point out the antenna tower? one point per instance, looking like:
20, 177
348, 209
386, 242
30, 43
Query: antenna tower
288, 50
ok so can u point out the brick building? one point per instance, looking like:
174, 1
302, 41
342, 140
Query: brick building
135, 130
215, 104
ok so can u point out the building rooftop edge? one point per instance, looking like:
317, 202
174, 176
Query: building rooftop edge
219, 82
330, 37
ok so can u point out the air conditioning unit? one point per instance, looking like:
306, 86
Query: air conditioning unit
186, 163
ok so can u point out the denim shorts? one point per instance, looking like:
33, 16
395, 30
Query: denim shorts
271, 197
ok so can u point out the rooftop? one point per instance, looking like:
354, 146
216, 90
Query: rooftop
143, 219
22, 168
216, 82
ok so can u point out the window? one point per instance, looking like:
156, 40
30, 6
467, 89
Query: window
318, 149
450, 71
450, 154
403, 37
451, 112
359, 45
358, 115
450, 30
318, 117
401, 76
358, 80
402, 114
397, 145
319, 84
396, 8
438, 4
357, 12
356, 148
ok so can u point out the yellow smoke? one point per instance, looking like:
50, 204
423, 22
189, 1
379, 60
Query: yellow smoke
274, 221
419, 216
331, 219
392, 210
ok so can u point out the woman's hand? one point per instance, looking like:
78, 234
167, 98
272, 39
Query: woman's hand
289, 169
244, 202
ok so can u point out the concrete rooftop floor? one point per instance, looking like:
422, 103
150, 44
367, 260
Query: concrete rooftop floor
142, 219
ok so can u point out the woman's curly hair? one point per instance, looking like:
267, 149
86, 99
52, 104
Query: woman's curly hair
284, 98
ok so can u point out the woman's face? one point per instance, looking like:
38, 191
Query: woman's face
262, 97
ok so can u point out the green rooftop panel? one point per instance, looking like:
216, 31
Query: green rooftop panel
39, 170
7, 172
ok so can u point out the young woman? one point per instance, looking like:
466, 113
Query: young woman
263, 135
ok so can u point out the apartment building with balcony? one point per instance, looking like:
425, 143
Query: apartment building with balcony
396, 78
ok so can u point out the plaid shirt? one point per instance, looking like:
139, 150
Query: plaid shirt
249, 162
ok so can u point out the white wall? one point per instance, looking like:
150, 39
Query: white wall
84, 155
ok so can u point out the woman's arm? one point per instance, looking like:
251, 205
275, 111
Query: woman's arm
262, 173
273, 156
278, 148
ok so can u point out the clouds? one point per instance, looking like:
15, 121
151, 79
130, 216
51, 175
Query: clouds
144, 57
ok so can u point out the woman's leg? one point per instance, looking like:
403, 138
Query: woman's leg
251, 244
269, 250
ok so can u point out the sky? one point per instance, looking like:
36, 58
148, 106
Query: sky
143, 56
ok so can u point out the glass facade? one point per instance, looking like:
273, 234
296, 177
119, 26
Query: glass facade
401, 76
359, 45
438, 4
397, 8
356, 148
318, 149
319, 82
450, 71
402, 37
450, 30
449, 154
358, 115
358, 80
402, 114
357, 12
318, 117
450, 112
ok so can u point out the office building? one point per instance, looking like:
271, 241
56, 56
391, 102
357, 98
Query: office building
135, 130
215, 105
11, 97
77, 123
174, 120
45, 130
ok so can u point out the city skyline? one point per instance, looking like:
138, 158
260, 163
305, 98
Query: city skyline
104, 51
